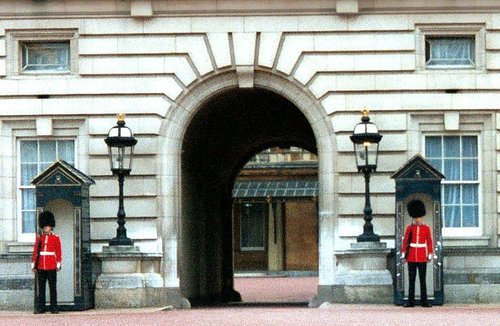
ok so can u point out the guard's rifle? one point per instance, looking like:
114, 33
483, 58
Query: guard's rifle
35, 266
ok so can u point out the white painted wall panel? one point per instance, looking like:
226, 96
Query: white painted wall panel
136, 230
99, 126
390, 142
493, 40
177, 65
3, 49
97, 46
219, 43
3, 67
354, 204
493, 60
143, 165
220, 24
271, 24
353, 226
195, 46
269, 43
134, 207
244, 48
112, 26
145, 146
87, 105
138, 186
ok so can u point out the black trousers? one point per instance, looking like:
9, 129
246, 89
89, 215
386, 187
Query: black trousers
43, 277
422, 271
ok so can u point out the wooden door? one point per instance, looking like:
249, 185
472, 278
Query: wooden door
301, 236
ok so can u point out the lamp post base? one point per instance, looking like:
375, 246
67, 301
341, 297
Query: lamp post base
121, 242
368, 238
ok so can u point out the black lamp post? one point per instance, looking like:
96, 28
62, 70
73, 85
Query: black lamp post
365, 138
121, 144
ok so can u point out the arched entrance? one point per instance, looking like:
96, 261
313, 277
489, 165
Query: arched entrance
210, 134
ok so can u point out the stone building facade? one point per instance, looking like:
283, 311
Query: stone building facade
208, 84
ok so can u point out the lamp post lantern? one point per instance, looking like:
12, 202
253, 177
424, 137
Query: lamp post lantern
121, 144
366, 138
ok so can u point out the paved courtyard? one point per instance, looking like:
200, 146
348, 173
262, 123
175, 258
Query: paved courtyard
287, 315
276, 289
267, 290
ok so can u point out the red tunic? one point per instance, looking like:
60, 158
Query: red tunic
420, 244
50, 252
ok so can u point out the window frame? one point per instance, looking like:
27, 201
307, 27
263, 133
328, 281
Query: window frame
449, 66
17, 38
26, 46
264, 227
476, 31
22, 236
453, 232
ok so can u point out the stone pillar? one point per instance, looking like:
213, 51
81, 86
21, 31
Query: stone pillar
131, 279
362, 274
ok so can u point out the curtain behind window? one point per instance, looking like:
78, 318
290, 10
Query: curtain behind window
450, 51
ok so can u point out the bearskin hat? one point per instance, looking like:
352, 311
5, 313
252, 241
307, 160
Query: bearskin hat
416, 208
46, 218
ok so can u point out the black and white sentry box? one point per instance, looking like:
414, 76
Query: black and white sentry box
64, 190
417, 179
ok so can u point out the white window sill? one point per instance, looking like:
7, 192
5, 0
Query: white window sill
456, 70
43, 75
463, 241
252, 249
20, 247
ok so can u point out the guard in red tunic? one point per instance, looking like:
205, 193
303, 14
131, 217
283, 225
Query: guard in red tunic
46, 262
417, 251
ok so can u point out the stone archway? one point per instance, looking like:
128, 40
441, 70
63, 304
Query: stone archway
175, 234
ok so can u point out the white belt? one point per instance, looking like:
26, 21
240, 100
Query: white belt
418, 245
47, 253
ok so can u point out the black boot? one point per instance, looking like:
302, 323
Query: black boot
409, 304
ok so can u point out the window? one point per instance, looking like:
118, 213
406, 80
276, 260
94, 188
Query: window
35, 156
31, 53
252, 223
457, 158
448, 46
45, 56
456, 52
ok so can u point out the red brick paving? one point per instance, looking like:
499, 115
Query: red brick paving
334, 315
269, 290
276, 289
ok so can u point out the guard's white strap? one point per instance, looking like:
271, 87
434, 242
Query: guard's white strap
47, 253
418, 245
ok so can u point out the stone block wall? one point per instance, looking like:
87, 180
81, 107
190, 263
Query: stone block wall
145, 67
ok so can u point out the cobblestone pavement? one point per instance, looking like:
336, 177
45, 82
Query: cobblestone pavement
278, 290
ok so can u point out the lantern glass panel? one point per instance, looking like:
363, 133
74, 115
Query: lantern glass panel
366, 154
360, 155
371, 128
372, 153
121, 158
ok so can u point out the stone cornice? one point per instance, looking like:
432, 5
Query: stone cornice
136, 8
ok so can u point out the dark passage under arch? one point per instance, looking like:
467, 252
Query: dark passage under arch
223, 135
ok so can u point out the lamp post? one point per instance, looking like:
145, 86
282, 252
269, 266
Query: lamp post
121, 144
366, 138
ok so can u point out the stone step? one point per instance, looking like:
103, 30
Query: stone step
19, 247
